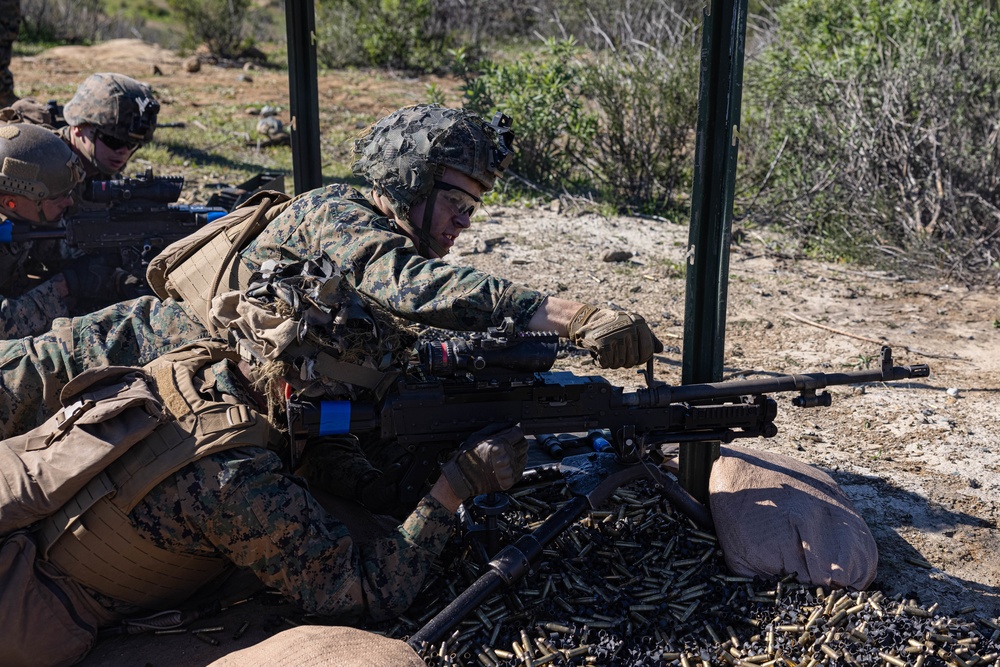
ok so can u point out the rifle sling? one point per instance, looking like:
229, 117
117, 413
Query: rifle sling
349, 373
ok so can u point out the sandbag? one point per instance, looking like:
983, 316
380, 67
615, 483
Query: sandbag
40, 627
317, 645
776, 516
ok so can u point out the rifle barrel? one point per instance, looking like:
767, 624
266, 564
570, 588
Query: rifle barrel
806, 382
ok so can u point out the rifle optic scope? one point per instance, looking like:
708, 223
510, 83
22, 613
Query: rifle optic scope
529, 352
159, 189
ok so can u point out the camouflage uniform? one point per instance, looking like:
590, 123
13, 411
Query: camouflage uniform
241, 505
202, 491
10, 24
37, 168
34, 370
337, 221
31, 307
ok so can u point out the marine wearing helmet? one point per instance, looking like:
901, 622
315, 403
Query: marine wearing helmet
38, 173
108, 119
406, 154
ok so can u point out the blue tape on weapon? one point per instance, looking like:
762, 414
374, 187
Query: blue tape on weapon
334, 417
6, 231
214, 215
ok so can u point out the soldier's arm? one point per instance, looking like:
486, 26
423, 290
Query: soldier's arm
32, 313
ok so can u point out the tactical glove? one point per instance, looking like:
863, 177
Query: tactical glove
95, 280
615, 338
489, 461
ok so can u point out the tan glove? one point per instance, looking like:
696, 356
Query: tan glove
615, 338
489, 461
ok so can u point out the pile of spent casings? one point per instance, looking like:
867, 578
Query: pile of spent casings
637, 584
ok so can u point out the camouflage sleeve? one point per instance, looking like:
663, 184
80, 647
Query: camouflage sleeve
32, 312
34, 370
239, 503
385, 265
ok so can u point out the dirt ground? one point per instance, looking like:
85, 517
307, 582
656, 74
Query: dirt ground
920, 460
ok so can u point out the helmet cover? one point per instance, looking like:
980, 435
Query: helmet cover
403, 154
117, 105
36, 164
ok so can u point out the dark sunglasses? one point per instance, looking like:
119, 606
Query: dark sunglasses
115, 143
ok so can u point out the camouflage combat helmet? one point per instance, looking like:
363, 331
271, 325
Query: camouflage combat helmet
406, 152
36, 164
304, 324
115, 104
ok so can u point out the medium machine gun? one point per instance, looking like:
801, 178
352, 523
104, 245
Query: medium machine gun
138, 220
460, 386
457, 387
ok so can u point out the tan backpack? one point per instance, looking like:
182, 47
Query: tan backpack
201, 266
106, 411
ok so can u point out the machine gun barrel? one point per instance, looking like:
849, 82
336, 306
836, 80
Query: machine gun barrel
806, 384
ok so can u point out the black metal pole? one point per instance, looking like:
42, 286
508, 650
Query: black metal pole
303, 94
719, 96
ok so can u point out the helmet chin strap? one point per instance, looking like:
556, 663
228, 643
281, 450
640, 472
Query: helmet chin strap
42, 218
422, 236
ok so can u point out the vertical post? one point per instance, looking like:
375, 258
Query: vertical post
303, 93
719, 95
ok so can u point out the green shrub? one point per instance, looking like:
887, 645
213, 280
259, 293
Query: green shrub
380, 33
223, 25
541, 92
648, 105
71, 21
874, 124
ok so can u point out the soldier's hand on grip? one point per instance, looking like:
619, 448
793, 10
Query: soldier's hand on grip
491, 461
615, 338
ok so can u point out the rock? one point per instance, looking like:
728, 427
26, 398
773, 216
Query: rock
192, 64
268, 110
616, 256
157, 71
953, 392
244, 78
555, 206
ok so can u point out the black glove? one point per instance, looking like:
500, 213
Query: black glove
490, 461
94, 278
91, 280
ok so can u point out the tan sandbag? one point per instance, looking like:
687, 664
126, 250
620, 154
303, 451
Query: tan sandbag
317, 645
775, 516
39, 627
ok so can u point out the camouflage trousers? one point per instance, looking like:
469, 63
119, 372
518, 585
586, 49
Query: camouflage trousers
33, 371
10, 24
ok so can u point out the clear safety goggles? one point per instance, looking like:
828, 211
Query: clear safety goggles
460, 199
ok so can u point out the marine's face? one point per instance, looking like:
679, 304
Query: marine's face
49, 210
458, 198
54, 209
109, 155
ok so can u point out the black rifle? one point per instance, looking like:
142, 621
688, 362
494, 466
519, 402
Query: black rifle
139, 220
461, 386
